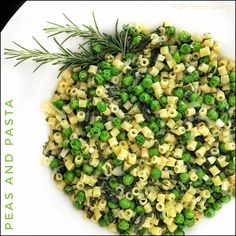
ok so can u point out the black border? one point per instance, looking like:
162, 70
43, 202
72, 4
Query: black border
8, 9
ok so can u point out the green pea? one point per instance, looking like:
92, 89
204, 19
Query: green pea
77, 172
222, 147
114, 71
68, 189
147, 83
99, 166
127, 80
104, 136
214, 81
222, 105
75, 76
122, 136
184, 37
75, 152
178, 116
145, 98
163, 100
154, 126
98, 48
185, 48
153, 152
231, 100
186, 156
124, 203
193, 97
128, 179
117, 162
105, 65
136, 40
54, 164
188, 213
231, 166
78, 205
74, 104
184, 177
211, 200
101, 106
217, 205
83, 75
179, 232
155, 173
132, 205
66, 132
195, 46
209, 182
124, 97
95, 132
177, 194
106, 74
116, 122
129, 55
197, 183
99, 79
200, 173
87, 169
187, 136
102, 222
113, 183
99, 124
138, 90
123, 225
69, 176
112, 205
177, 57
140, 139
75, 144
59, 104
216, 189
225, 199
80, 196
209, 212
232, 77
204, 60
188, 79
189, 222
209, 99
212, 114
182, 106
233, 87
195, 75
170, 30
179, 219
155, 105
178, 92
139, 209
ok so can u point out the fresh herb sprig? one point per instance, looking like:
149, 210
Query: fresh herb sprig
92, 36
64, 57
87, 53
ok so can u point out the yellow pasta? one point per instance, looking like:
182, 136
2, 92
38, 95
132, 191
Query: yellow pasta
128, 132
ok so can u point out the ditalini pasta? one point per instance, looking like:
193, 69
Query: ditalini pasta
142, 139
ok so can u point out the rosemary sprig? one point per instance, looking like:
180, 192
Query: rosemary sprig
64, 57
121, 41
92, 35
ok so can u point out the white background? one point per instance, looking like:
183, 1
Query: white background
39, 208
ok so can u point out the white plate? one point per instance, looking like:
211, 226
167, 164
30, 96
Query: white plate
39, 208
